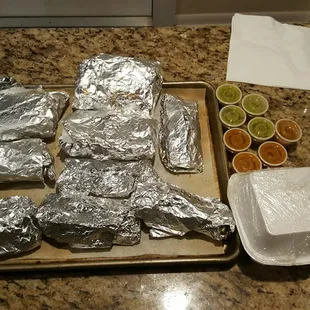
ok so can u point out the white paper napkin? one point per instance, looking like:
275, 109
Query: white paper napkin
266, 52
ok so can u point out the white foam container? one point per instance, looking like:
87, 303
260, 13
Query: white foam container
271, 208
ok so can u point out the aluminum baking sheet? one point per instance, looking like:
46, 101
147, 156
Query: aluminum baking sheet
195, 248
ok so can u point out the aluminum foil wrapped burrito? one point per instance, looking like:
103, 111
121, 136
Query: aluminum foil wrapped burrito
110, 179
107, 135
118, 82
25, 160
82, 222
7, 82
180, 145
171, 211
19, 231
30, 113
129, 232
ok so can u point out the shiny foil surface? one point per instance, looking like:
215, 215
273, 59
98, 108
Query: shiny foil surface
180, 142
19, 231
25, 160
107, 135
171, 211
28, 113
129, 232
7, 82
82, 221
116, 82
111, 179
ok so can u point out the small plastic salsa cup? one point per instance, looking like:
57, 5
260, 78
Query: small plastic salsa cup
245, 162
232, 116
261, 129
287, 132
237, 140
255, 105
272, 154
228, 94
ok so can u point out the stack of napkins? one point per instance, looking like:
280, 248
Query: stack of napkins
266, 52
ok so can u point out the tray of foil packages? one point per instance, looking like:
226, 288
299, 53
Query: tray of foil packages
140, 179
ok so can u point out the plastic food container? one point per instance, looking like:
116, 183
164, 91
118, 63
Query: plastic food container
255, 105
232, 116
245, 162
287, 132
228, 94
272, 154
237, 140
261, 129
271, 209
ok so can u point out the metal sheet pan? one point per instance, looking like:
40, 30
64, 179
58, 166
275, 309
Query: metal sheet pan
193, 249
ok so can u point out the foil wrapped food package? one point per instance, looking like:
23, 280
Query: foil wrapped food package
19, 231
110, 179
171, 211
116, 82
7, 82
129, 232
180, 143
105, 135
82, 222
30, 113
25, 160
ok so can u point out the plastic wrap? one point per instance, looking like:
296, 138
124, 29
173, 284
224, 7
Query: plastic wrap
171, 211
180, 146
7, 82
117, 82
19, 231
30, 113
94, 178
107, 135
25, 160
271, 208
82, 222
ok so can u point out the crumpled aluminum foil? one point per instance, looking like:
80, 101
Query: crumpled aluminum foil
171, 211
30, 113
129, 232
103, 135
117, 82
110, 179
25, 160
82, 222
180, 145
7, 82
19, 231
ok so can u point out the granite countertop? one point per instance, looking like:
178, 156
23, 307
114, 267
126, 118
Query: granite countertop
51, 56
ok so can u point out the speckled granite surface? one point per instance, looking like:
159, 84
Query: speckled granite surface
39, 56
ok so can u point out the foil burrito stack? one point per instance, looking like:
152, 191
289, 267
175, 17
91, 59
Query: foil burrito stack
116, 82
107, 135
19, 231
83, 222
171, 211
25, 160
28, 113
180, 145
110, 179
7, 82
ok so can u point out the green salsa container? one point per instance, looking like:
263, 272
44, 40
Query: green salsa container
261, 129
232, 116
228, 94
255, 105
